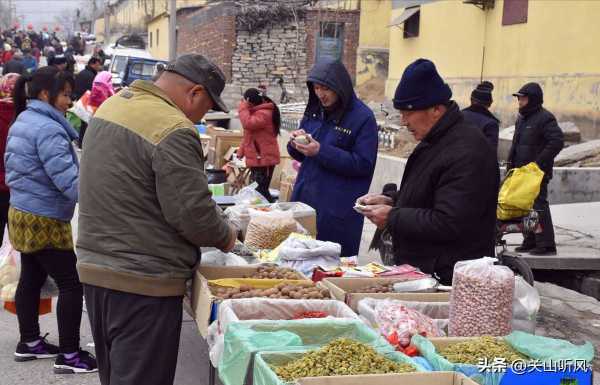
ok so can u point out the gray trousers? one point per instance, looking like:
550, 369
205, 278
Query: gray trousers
136, 336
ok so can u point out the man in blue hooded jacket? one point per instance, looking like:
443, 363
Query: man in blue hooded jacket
338, 155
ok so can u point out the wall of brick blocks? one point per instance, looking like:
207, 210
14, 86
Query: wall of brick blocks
210, 31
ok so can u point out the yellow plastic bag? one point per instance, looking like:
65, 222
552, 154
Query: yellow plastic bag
255, 283
518, 192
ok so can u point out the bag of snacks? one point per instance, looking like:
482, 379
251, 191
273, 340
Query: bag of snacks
268, 229
481, 302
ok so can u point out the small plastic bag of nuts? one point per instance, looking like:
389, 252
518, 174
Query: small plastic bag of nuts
267, 230
481, 299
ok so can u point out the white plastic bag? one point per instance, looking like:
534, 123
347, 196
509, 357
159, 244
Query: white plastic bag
10, 272
248, 196
481, 299
304, 255
526, 304
268, 229
219, 258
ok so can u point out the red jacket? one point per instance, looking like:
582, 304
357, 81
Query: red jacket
7, 111
259, 145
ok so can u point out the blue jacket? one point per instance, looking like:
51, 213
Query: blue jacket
42, 170
343, 169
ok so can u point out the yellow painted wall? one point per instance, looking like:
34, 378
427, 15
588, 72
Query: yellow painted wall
160, 50
557, 48
374, 20
373, 46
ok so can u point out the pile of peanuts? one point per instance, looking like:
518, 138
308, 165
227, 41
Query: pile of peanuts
301, 290
275, 272
376, 288
480, 306
268, 233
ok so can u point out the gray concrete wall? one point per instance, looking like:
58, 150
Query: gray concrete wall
569, 184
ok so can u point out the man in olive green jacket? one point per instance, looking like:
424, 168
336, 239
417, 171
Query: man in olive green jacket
145, 209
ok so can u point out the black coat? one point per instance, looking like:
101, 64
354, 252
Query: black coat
485, 121
83, 82
445, 210
538, 138
14, 66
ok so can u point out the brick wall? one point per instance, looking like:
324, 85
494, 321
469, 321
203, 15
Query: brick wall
351, 20
210, 31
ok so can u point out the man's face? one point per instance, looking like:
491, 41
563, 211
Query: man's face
523, 101
197, 103
97, 66
420, 122
326, 95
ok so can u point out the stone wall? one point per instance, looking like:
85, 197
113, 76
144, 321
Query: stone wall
261, 57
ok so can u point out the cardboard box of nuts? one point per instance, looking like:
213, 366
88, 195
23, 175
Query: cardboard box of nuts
204, 302
431, 378
350, 290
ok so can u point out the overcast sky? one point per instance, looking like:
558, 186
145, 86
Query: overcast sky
44, 12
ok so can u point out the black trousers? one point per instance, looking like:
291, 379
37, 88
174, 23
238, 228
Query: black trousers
546, 237
263, 176
136, 336
4, 205
35, 268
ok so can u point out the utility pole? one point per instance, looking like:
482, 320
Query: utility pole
94, 10
106, 23
172, 29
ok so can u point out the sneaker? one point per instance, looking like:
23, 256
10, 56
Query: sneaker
83, 362
42, 350
524, 248
542, 251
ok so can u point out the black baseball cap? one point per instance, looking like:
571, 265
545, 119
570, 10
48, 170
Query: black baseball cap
199, 70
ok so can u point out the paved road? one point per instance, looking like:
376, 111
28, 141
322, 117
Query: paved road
192, 366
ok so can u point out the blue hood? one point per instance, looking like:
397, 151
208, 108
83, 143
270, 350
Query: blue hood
334, 75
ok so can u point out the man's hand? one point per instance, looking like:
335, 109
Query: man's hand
233, 235
374, 199
378, 214
311, 149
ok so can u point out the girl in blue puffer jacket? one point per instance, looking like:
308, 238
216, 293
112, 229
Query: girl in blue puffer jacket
42, 173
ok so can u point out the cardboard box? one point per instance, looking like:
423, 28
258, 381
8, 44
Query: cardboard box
342, 289
204, 304
221, 140
431, 378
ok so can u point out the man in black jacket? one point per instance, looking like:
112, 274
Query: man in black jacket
478, 113
85, 79
445, 210
15, 65
538, 138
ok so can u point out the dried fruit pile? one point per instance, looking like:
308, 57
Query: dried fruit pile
342, 357
487, 347
302, 290
376, 288
275, 272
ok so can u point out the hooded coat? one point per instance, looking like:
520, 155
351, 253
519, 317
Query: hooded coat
538, 138
342, 171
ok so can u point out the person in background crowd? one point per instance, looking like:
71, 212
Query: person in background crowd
99, 53
261, 120
339, 160
58, 61
29, 62
42, 173
478, 113
445, 210
102, 89
144, 213
538, 138
85, 79
14, 65
9, 51
36, 52
7, 115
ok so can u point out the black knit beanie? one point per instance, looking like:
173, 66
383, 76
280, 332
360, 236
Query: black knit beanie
483, 93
